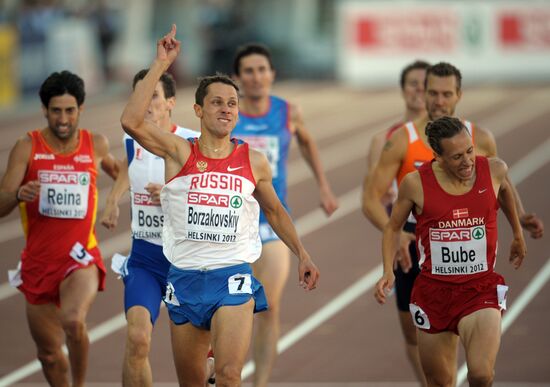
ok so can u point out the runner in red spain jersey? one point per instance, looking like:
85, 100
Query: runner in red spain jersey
455, 198
51, 174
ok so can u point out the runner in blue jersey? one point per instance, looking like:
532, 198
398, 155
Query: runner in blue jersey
144, 271
268, 124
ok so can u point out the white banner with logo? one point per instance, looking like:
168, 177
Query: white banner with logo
486, 41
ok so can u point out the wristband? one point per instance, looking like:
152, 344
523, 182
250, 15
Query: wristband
17, 195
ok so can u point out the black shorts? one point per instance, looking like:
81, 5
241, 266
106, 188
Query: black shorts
404, 281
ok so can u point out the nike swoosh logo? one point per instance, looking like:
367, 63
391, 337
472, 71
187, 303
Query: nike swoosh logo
482, 190
229, 169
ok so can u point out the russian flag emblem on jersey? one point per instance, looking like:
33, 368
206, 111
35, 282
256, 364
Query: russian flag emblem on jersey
459, 213
139, 153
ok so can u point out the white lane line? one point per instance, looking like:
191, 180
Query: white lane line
530, 292
308, 223
535, 159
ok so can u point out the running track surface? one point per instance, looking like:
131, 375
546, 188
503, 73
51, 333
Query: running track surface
336, 335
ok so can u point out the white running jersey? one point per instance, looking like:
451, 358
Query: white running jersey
144, 168
211, 216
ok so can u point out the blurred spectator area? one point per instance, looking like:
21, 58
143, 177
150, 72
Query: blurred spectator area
107, 41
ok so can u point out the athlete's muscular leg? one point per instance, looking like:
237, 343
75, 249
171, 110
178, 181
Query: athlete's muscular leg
190, 348
411, 344
76, 293
438, 357
272, 270
231, 333
137, 369
46, 332
480, 335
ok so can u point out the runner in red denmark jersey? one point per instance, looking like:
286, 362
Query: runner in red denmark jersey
457, 243
454, 198
51, 176
66, 207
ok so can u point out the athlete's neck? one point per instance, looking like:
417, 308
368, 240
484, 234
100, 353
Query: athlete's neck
61, 145
414, 115
215, 148
255, 105
451, 183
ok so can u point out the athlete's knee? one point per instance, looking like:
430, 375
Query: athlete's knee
439, 379
480, 376
73, 325
228, 375
139, 342
50, 357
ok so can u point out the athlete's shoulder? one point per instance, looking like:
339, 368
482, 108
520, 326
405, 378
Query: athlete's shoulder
411, 184
484, 142
23, 147
397, 141
497, 166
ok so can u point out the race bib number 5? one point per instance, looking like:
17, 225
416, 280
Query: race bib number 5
79, 254
240, 284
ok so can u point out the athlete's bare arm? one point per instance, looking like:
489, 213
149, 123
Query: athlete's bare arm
310, 152
104, 158
486, 146
508, 205
279, 219
110, 215
169, 146
385, 171
409, 197
375, 149
11, 190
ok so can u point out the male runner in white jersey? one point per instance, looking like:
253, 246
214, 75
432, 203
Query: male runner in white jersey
268, 123
144, 271
412, 81
210, 202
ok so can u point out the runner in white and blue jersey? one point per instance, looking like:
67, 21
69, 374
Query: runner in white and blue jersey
268, 124
145, 270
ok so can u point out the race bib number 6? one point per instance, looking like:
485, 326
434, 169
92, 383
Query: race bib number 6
240, 284
420, 318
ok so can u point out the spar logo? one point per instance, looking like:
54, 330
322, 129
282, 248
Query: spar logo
236, 201
208, 199
478, 233
51, 177
452, 235
142, 199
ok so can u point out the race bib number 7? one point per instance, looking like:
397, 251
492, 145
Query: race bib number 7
240, 284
